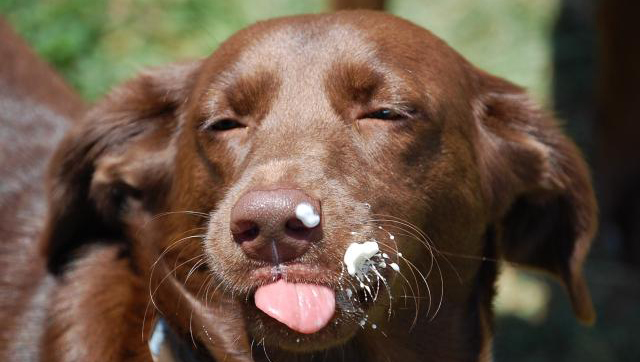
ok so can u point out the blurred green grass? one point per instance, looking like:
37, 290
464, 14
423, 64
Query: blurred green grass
509, 38
96, 44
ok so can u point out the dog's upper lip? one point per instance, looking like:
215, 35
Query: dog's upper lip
294, 272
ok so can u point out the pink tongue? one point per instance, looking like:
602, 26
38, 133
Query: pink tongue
305, 308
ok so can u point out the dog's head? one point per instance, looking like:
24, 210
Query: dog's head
301, 136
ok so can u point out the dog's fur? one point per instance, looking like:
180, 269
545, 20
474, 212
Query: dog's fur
466, 171
36, 109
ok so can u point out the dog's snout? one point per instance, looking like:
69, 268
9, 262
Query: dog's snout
275, 225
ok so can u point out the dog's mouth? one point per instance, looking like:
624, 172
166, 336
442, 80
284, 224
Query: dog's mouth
304, 308
318, 299
301, 307
298, 296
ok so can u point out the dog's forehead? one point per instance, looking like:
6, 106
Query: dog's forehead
301, 67
303, 50
311, 48
299, 55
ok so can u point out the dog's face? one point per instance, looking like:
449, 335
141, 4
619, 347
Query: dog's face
378, 139
383, 130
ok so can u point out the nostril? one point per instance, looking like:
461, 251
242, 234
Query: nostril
275, 225
296, 229
245, 231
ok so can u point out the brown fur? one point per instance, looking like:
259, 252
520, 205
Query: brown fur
28, 76
36, 109
140, 195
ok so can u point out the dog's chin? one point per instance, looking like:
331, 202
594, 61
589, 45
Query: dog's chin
274, 334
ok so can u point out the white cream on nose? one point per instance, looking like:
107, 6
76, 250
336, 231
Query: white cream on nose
307, 214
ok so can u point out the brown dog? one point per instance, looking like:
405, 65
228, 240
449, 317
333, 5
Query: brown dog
183, 190
36, 110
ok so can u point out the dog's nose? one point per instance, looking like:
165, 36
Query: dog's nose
276, 225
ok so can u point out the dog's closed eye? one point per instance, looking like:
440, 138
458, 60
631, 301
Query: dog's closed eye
384, 114
224, 124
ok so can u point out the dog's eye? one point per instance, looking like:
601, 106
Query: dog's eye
384, 114
225, 124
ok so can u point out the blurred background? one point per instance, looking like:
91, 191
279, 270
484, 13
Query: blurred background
578, 57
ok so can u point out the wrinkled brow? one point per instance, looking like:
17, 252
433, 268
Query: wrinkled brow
353, 82
251, 95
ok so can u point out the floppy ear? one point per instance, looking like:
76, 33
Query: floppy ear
114, 163
539, 186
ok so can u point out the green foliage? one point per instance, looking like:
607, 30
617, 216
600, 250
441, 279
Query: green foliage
509, 38
65, 33
98, 43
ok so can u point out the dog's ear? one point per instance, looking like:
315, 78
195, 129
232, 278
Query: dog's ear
539, 187
115, 163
